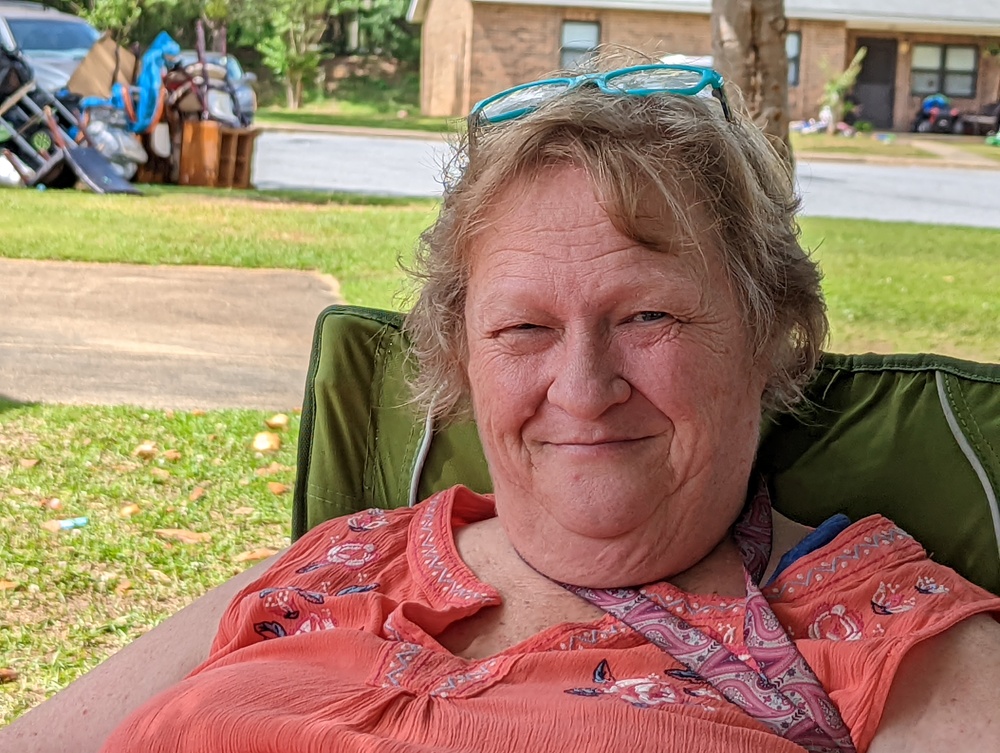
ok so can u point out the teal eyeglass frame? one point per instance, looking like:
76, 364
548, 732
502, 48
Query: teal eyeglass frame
708, 78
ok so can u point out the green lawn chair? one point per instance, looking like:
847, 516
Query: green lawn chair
913, 437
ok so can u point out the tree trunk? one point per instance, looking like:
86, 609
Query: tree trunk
748, 47
291, 91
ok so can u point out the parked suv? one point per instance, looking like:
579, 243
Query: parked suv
53, 43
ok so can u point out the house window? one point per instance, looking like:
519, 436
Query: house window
793, 48
579, 40
944, 69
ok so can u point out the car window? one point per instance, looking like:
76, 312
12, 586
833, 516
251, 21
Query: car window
34, 35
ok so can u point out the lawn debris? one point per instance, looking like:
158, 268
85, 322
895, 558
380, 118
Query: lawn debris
28, 462
7, 585
7, 675
123, 587
146, 450
255, 554
244, 511
127, 511
160, 474
277, 422
66, 524
197, 493
272, 469
278, 488
172, 455
50, 503
266, 441
183, 535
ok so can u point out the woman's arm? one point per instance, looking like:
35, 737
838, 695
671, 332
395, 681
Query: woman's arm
944, 696
80, 717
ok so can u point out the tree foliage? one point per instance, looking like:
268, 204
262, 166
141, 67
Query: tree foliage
836, 88
289, 40
293, 37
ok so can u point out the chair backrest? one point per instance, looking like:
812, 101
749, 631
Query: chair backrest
915, 438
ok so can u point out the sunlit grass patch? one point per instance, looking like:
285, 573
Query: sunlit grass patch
68, 599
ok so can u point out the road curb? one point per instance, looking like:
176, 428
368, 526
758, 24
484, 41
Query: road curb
931, 162
385, 133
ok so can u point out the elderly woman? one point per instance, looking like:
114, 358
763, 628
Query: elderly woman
615, 288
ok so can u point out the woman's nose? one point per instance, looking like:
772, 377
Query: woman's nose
587, 379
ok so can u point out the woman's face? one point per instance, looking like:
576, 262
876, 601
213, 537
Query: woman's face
613, 386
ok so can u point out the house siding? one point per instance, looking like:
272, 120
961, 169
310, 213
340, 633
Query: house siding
509, 44
905, 104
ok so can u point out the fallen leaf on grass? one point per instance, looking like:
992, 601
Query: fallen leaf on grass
267, 441
168, 413
28, 462
124, 585
278, 422
7, 585
159, 576
275, 488
272, 469
197, 493
50, 504
197, 412
7, 674
172, 455
243, 511
145, 450
255, 554
128, 511
183, 535
161, 474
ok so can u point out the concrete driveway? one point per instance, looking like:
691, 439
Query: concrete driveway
165, 337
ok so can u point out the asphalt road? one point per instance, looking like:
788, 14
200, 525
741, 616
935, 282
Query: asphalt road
412, 167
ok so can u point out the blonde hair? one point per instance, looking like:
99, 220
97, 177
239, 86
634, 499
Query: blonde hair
648, 157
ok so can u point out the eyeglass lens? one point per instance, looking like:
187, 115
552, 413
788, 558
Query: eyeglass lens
526, 98
667, 79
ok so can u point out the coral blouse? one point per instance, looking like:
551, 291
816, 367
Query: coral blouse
333, 649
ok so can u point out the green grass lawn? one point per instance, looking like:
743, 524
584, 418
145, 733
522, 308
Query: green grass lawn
364, 102
979, 147
333, 113
862, 144
69, 599
890, 286
356, 239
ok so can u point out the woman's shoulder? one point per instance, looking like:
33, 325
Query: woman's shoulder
869, 548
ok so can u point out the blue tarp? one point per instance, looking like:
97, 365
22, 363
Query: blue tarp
145, 94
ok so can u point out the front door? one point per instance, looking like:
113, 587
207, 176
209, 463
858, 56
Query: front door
875, 89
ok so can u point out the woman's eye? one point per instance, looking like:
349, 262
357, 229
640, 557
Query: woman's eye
645, 317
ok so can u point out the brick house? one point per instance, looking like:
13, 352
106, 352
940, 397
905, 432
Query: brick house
473, 48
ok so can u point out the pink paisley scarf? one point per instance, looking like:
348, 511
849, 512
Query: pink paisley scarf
782, 692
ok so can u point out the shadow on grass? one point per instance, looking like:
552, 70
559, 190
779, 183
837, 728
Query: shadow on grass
318, 198
9, 403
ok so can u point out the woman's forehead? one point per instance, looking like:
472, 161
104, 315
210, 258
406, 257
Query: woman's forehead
556, 223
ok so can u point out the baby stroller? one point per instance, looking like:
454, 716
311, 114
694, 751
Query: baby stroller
38, 136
